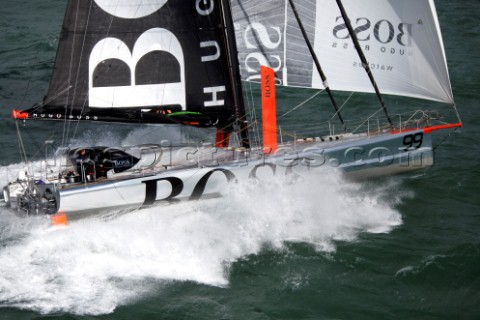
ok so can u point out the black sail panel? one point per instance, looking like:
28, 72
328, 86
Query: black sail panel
160, 62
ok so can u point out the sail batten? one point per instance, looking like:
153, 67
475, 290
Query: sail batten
400, 38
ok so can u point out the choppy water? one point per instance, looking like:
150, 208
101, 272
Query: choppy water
325, 248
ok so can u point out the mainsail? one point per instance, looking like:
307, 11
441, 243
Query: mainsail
154, 61
400, 38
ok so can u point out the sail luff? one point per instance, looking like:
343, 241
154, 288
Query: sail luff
448, 90
232, 54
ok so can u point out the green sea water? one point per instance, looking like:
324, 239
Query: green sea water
404, 247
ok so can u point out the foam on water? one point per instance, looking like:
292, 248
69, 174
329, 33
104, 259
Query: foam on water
95, 265
92, 266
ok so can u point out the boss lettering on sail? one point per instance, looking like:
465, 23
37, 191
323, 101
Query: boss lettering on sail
262, 44
157, 42
393, 38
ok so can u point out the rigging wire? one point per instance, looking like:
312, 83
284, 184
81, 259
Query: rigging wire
66, 123
351, 95
302, 103
78, 69
366, 120
317, 64
454, 106
23, 153
445, 138
29, 79
362, 57
253, 114
233, 65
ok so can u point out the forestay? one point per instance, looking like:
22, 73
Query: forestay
400, 38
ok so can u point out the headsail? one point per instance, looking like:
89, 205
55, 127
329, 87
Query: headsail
401, 39
155, 61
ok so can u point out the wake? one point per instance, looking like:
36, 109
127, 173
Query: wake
93, 266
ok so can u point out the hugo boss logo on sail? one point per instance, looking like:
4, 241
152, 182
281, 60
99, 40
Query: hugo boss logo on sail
263, 44
150, 61
154, 65
260, 35
58, 116
383, 32
269, 82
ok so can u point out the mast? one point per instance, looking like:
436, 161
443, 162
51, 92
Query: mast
363, 59
232, 52
317, 65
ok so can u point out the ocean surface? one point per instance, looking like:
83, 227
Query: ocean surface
405, 247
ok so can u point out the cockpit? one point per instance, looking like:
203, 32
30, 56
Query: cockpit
94, 162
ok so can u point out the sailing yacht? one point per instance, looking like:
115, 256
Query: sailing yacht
186, 63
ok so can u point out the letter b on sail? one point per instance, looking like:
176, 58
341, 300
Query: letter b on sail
137, 95
130, 9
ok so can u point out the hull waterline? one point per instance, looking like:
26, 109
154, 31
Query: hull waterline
209, 171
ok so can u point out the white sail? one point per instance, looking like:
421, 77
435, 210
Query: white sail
400, 38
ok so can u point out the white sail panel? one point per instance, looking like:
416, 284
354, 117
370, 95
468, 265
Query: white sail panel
400, 38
